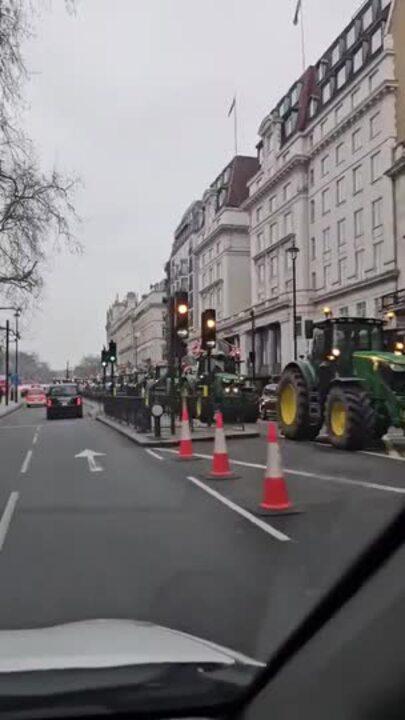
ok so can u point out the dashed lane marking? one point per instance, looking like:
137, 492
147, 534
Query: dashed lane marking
154, 454
6, 517
27, 460
269, 529
315, 476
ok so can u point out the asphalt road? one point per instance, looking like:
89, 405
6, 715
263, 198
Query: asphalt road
139, 539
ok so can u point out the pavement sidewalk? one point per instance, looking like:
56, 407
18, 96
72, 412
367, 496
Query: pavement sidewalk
7, 409
202, 433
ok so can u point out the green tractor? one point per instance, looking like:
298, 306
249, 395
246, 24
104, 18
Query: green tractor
349, 382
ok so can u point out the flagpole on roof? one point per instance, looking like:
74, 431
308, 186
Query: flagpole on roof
299, 17
233, 109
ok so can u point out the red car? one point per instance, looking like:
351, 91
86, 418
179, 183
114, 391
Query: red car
35, 397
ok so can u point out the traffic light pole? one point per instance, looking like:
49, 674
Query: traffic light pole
7, 359
104, 376
112, 380
172, 366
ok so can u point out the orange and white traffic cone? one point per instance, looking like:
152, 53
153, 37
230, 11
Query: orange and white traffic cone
275, 499
185, 447
220, 461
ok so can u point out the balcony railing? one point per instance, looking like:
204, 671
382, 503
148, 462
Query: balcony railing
393, 301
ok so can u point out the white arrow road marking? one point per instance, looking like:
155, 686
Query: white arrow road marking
90, 455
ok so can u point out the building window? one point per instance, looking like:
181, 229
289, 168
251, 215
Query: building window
260, 273
258, 214
359, 259
361, 309
273, 233
324, 127
327, 92
356, 140
210, 253
372, 80
341, 77
375, 171
376, 40
375, 126
219, 297
339, 113
259, 242
344, 311
313, 248
313, 107
342, 265
218, 270
272, 203
312, 211
326, 276
340, 190
368, 17
357, 60
335, 57
377, 253
325, 165
288, 224
326, 239
355, 96
218, 247
204, 259
325, 201
289, 125
311, 177
211, 274
357, 179
376, 213
321, 72
358, 223
274, 266
204, 279
286, 191
340, 153
311, 140
313, 280
350, 37
341, 232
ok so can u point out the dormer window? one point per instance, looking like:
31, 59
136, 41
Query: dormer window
358, 60
321, 72
295, 94
335, 54
284, 106
341, 77
376, 40
350, 37
290, 124
327, 92
313, 107
368, 18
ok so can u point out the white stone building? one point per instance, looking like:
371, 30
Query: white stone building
137, 326
324, 152
180, 267
221, 248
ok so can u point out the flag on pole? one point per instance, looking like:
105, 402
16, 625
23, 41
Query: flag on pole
297, 12
232, 105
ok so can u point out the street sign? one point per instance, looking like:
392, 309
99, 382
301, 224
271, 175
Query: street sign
157, 410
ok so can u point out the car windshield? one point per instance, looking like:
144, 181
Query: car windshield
202, 342
63, 390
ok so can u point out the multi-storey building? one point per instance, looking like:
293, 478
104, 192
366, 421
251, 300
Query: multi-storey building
322, 186
119, 327
221, 248
137, 326
180, 268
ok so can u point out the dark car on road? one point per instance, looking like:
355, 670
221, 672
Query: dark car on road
268, 399
64, 400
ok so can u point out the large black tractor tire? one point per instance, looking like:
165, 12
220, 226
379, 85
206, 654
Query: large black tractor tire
349, 417
293, 407
381, 425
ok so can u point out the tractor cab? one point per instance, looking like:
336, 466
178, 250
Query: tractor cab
336, 339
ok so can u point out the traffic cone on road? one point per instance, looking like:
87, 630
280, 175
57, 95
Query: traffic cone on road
275, 494
185, 447
220, 461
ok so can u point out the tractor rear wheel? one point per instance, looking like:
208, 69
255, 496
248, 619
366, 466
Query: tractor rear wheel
293, 406
349, 417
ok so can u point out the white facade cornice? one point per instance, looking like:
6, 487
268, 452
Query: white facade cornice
358, 285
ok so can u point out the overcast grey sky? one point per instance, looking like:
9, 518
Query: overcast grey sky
133, 96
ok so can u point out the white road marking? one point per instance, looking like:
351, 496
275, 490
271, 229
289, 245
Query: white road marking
15, 427
154, 454
27, 460
247, 515
6, 517
315, 476
90, 455
35, 438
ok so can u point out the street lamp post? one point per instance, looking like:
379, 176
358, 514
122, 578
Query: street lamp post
7, 359
293, 252
253, 351
17, 337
